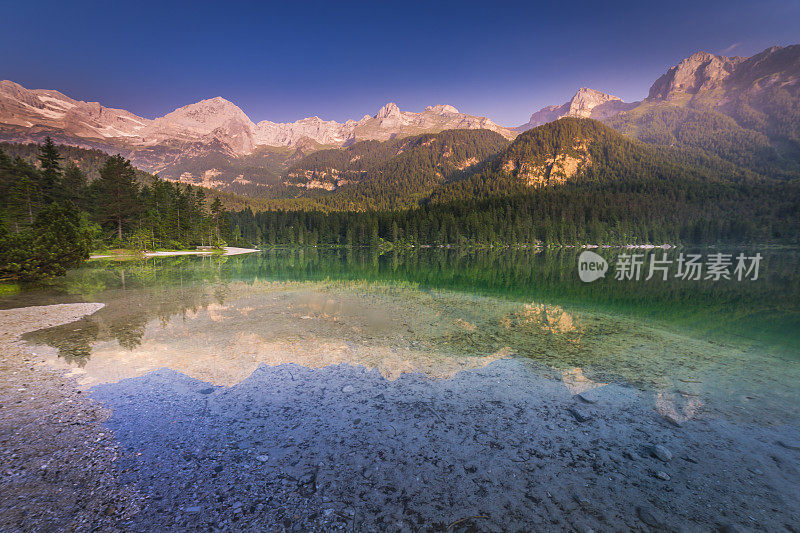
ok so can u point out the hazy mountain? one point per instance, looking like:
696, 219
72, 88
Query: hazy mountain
587, 103
742, 110
737, 109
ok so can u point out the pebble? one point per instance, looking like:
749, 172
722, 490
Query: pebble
647, 516
580, 415
672, 420
209, 390
661, 453
348, 389
194, 509
262, 458
730, 528
591, 396
662, 475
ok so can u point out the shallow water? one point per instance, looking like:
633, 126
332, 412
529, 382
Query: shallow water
349, 389
727, 347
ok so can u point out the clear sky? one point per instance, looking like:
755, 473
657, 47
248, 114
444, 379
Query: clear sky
287, 60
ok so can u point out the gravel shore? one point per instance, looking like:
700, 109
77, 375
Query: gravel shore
56, 456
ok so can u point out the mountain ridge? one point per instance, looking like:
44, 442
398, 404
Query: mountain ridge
725, 107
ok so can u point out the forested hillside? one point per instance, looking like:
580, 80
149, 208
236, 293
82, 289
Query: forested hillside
567, 182
709, 136
392, 174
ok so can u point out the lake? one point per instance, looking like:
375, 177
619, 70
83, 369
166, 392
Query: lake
381, 375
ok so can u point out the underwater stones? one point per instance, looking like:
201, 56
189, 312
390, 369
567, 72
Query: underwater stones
347, 389
588, 397
648, 517
789, 445
579, 414
661, 453
662, 475
672, 420
730, 528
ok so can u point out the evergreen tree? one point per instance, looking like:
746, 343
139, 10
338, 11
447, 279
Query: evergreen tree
216, 212
50, 165
117, 194
74, 184
59, 239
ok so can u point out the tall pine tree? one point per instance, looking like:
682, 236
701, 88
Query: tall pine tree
117, 194
49, 159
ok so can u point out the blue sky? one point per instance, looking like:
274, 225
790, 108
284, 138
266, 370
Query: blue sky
338, 60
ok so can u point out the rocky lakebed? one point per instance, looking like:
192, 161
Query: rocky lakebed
509, 446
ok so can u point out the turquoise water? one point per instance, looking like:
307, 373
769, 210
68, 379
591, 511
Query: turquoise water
728, 348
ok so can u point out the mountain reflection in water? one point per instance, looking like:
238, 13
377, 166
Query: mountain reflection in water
699, 346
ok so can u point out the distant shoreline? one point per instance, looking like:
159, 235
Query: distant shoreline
227, 250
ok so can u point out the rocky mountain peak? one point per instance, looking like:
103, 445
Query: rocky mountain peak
205, 117
441, 109
700, 71
587, 103
389, 110
210, 110
585, 100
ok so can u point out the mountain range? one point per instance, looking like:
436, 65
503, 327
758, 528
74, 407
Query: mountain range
717, 110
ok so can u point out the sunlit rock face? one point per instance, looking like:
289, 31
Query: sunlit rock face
554, 170
586, 103
197, 138
699, 72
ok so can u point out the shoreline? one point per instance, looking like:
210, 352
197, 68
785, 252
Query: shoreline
57, 459
227, 250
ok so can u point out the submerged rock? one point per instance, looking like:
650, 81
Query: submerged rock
580, 415
661, 453
647, 516
790, 445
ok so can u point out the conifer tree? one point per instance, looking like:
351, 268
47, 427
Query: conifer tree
50, 170
117, 193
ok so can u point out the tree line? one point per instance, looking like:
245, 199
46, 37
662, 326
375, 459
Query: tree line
618, 212
52, 216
